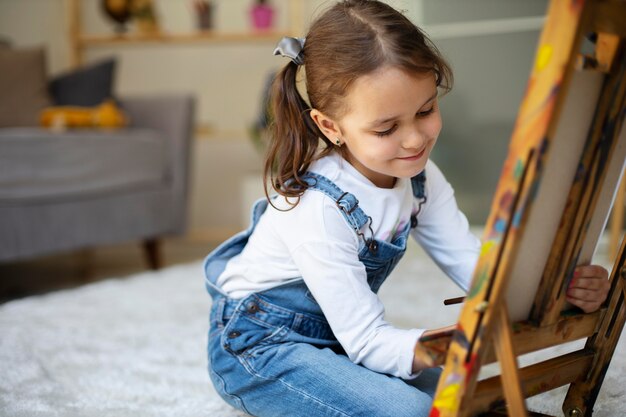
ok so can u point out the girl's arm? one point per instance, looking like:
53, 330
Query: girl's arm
438, 341
443, 230
355, 314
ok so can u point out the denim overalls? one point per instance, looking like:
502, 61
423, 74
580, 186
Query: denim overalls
272, 353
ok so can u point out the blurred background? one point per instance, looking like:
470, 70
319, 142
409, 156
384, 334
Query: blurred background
220, 52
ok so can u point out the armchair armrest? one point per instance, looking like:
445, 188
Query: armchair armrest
172, 115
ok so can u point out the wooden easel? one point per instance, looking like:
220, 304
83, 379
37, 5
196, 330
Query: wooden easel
617, 220
565, 161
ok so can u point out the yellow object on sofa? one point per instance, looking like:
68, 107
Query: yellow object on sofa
106, 115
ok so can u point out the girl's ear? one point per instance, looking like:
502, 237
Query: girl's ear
326, 125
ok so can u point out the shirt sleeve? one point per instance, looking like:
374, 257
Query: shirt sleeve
337, 280
443, 230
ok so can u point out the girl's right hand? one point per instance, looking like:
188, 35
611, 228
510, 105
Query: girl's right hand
432, 347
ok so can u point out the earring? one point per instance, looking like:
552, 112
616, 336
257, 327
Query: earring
337, 142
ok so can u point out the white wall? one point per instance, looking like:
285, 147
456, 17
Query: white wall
35, 23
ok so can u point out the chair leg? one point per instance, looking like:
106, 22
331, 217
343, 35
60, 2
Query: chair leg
87, 270
152, 250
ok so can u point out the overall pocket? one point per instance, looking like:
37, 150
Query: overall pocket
242, 334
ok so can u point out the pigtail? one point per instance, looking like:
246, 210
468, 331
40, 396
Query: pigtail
294, 137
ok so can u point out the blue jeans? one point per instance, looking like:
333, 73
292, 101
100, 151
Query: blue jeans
269, 356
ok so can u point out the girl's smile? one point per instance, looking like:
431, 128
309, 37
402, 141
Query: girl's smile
414, 157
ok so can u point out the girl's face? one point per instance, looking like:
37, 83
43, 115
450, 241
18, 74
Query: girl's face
391, 124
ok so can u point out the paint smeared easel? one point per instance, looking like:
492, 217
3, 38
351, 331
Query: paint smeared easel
566, 157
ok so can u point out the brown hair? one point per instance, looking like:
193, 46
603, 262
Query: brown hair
351, 39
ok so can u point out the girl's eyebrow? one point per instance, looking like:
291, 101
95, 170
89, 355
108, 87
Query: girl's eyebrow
389, 119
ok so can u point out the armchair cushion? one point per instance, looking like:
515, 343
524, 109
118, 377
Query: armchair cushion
39, 165
23, 86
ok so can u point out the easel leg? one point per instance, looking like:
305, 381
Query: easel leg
617, 219
582, 393
511, 383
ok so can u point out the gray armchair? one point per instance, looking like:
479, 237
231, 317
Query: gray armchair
84, 188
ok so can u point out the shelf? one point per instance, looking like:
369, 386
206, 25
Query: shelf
181, 38
80, 41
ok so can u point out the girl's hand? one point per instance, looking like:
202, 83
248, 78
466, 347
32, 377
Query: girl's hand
589, 287
432, 347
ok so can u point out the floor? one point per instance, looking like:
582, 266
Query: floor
37, 276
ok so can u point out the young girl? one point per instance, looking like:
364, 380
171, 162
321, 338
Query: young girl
297, 327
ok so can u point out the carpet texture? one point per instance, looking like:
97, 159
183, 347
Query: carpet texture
136, 345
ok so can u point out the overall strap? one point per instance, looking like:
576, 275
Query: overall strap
418, 183
347, 203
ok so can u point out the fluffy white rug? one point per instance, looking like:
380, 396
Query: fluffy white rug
136, 345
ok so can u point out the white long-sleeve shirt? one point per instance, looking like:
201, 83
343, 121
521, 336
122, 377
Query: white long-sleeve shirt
314, 242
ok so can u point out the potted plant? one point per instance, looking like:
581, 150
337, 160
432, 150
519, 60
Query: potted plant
262, 15
145, 16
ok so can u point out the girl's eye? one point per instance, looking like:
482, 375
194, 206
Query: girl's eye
386, 132
426, 112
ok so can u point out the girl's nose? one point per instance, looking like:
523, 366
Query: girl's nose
415, 139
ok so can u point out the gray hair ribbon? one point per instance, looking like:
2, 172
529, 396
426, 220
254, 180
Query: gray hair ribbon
291, 48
